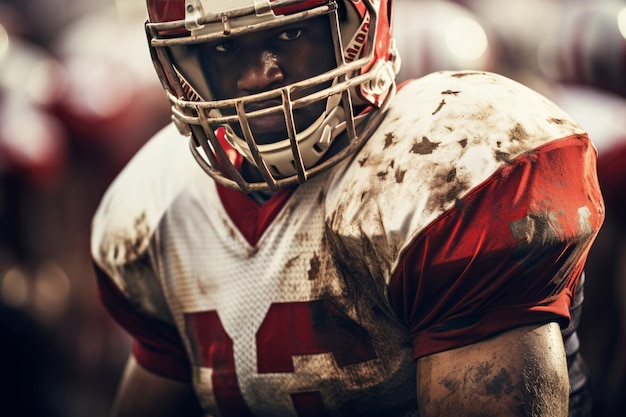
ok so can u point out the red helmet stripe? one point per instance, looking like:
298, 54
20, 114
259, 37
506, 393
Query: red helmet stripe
295, 7
166, 10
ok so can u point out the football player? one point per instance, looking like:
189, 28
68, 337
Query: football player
356, 249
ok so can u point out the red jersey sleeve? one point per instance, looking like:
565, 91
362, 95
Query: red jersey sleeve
510, 252
157, 345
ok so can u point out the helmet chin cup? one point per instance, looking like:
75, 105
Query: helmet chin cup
326, 138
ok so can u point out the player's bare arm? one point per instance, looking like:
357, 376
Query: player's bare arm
521, 372
145, 394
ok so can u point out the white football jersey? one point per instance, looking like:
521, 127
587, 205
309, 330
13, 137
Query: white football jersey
364, 267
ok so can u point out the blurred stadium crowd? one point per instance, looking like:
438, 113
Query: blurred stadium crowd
78, 96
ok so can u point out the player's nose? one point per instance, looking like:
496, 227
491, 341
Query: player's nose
260, 73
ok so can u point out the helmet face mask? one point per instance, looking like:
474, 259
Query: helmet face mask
282, 126
252, 63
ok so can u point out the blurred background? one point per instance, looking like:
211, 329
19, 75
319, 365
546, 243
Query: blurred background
78, 97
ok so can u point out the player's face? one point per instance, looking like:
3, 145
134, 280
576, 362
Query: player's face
266, 60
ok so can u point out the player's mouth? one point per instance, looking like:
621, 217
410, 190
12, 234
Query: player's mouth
268, 128
272, 127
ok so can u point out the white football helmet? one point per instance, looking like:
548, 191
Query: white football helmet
366, 65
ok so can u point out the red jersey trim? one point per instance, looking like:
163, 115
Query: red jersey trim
249, 217
252, 219
510, 253
157, 345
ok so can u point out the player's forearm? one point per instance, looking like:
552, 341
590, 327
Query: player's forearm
144, 394
519, 373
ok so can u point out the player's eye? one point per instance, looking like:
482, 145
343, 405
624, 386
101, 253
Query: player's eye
290, 35
224, 47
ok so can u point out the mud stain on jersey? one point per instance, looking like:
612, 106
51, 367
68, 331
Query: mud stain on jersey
439, 107
556, 121
566, 123
315, 267
383, 174
518, 138
451, 175
143, 288
465, 74
358, 270
321, 273
447, 187
389, 140
400, 173
502, 156
302, 237
129, 248
425, 147
291, 262
370, 159
518, 133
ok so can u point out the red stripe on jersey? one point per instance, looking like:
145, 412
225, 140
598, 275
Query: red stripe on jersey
251, 218
510, 253
157, 345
